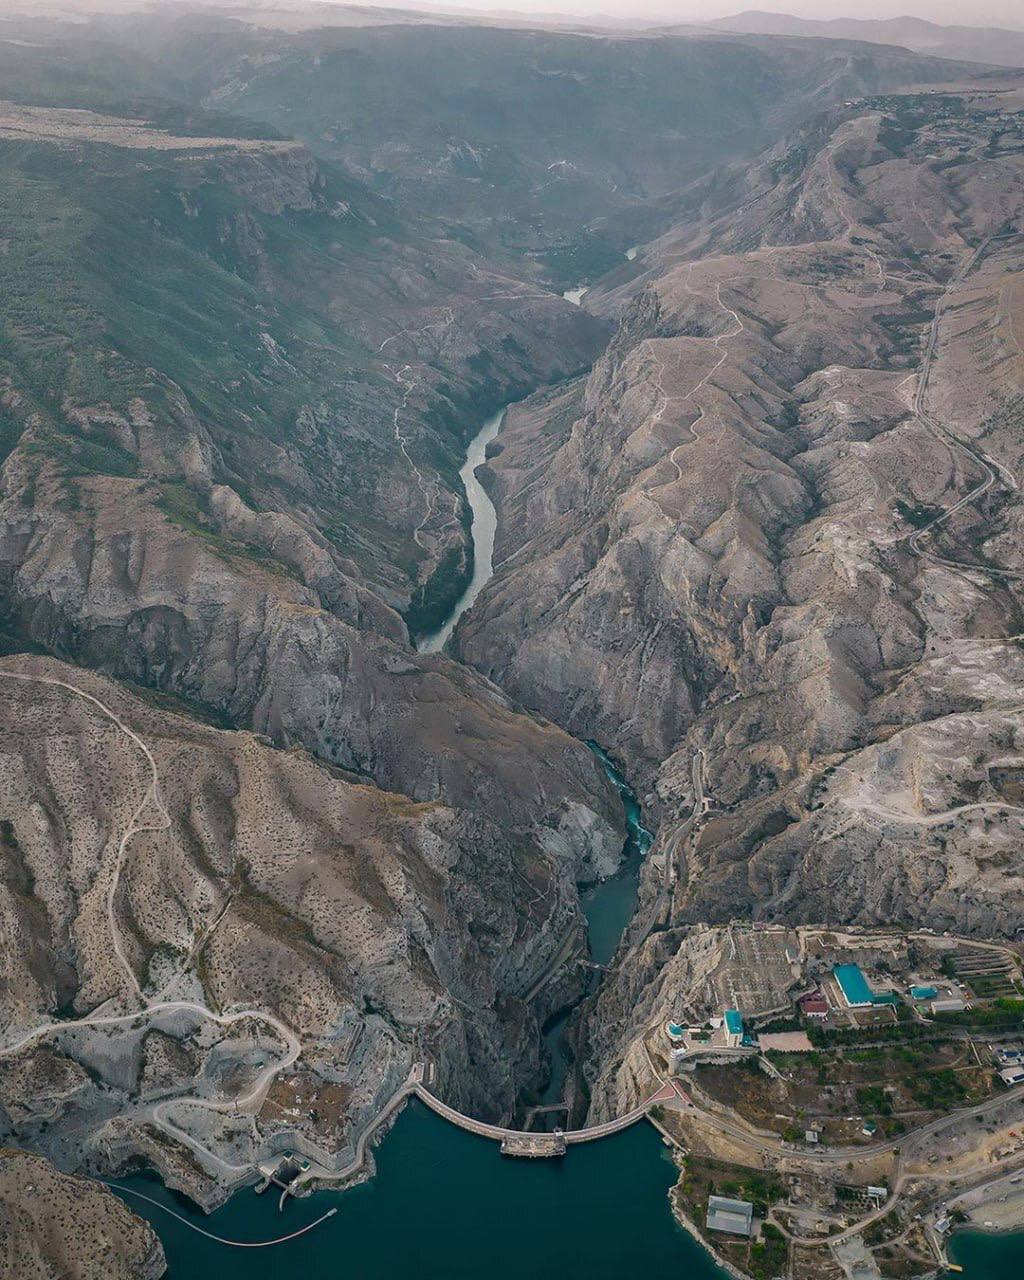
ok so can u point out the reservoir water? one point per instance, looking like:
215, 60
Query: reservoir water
445, 1204
989, 1257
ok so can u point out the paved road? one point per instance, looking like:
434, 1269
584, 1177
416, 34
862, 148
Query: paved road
570, 942
252, 1098
774, 1146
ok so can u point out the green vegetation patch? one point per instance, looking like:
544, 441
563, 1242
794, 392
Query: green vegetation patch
939, 1090
769, 1255
916, 514
10, 434
89, 457
873, 1100
1007, 1012
186, 508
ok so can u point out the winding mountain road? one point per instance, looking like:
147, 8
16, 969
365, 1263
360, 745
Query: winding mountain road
254, 1096
665, 399
990, 469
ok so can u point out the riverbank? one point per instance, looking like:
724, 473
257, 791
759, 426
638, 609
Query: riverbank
449, 1206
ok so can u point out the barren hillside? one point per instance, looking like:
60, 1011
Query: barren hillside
777, 546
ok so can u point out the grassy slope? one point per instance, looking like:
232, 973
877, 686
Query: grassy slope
119, 261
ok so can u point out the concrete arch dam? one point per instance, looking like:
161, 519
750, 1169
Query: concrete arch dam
518, 1142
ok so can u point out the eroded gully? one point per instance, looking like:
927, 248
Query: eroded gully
609, 904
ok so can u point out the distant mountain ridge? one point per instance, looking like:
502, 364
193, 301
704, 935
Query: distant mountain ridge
996, 45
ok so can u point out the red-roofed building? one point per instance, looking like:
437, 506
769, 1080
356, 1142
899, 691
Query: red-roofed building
813, 1005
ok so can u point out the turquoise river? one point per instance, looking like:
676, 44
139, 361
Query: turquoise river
446, 1204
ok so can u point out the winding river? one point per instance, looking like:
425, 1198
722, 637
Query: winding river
444, 1205
609, 904
443, 1202
483, 529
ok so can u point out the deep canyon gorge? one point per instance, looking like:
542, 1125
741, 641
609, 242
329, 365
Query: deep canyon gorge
483, 511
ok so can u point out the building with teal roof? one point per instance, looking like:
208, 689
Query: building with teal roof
855, 989
733, 1028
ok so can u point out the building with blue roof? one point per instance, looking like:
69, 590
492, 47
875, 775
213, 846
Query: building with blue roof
855, 989
733, 1028
853, 985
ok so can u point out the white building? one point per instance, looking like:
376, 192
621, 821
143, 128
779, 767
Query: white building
734, 1216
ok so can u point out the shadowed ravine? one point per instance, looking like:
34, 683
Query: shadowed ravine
608, 907
465, 1206
609, 904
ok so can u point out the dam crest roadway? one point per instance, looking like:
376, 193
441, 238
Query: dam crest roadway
519, 1142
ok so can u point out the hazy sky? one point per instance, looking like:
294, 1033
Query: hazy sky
1006, 13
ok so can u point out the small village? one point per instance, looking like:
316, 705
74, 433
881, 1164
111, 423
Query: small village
826, 1071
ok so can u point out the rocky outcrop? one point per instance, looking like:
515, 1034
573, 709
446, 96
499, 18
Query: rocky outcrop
235, 507
222, 875
735, 572
55, 1225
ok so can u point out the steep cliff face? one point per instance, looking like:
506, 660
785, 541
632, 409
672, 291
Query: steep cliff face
297, 365
177, 522
206, 897
777, 535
